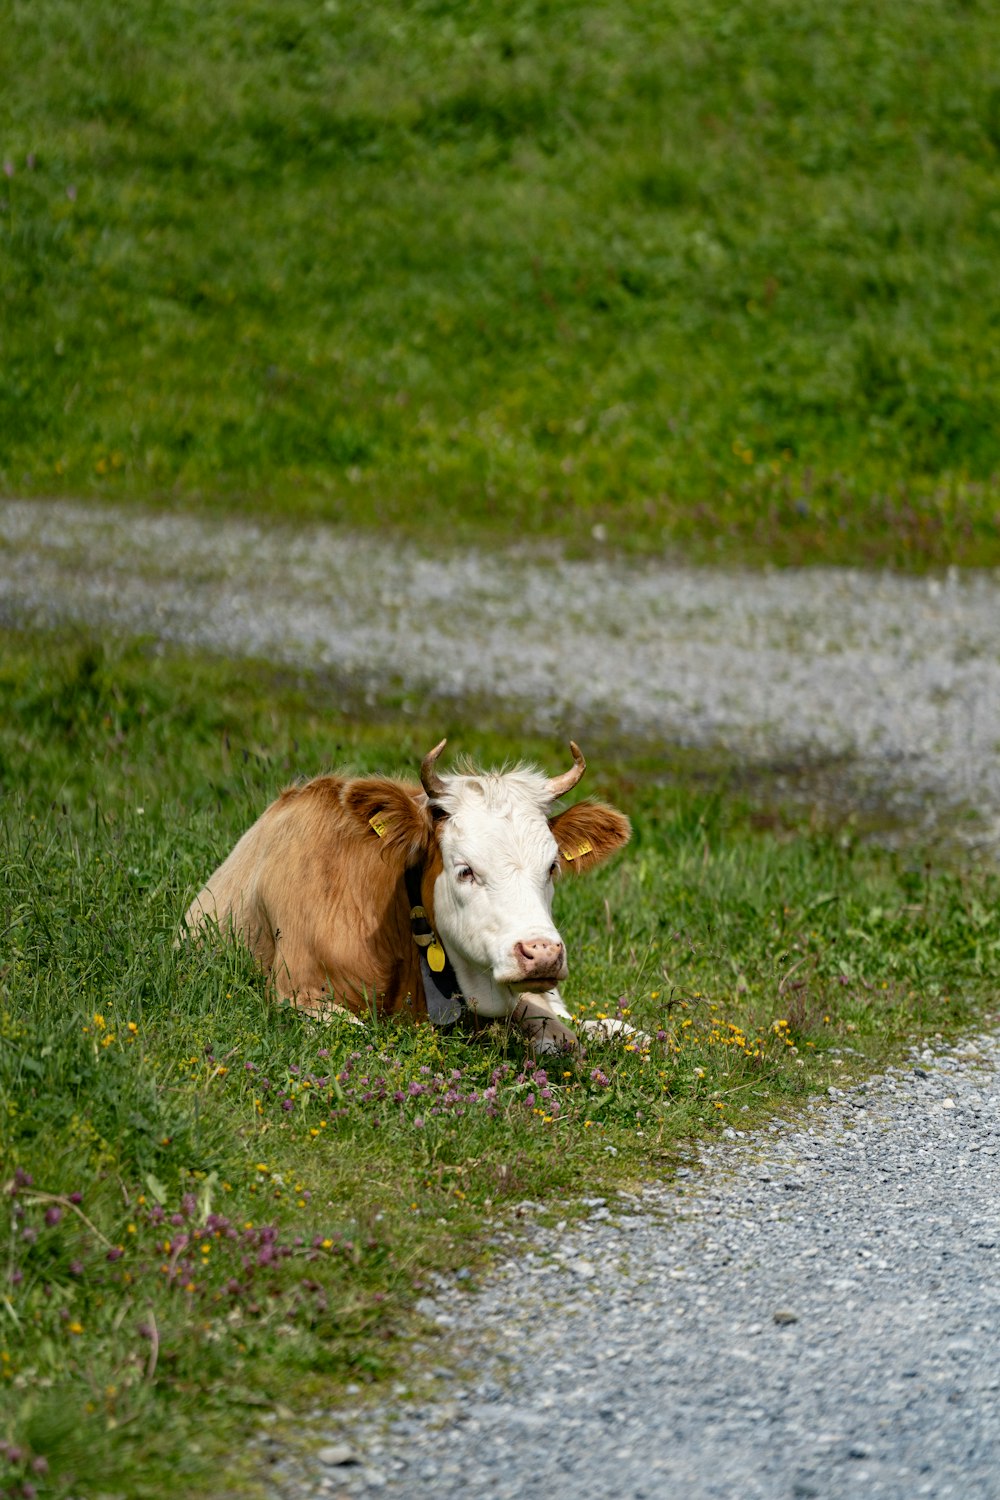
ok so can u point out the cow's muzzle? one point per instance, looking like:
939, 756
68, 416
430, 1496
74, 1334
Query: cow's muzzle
539, 963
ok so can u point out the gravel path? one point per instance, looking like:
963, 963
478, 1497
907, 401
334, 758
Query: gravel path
900, 675
812, 1311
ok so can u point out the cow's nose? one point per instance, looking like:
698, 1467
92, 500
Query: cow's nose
539, 957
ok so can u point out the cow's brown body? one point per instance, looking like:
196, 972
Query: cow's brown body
320, 900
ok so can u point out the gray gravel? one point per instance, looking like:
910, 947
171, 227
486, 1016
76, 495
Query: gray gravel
811, 1311
900, 675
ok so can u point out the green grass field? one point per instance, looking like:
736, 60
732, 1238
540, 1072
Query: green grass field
210, 1206
719, 277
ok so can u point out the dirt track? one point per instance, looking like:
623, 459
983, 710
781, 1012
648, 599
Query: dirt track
897, 678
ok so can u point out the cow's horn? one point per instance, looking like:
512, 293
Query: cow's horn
560, 785
429, 778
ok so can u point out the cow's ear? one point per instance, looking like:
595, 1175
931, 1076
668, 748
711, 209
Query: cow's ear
391, 812
588, 833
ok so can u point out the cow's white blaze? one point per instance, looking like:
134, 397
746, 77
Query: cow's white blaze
493, 898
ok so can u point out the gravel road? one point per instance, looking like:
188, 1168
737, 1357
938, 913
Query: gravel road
810, 1311
900, 676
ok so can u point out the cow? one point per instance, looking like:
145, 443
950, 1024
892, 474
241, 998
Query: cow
380, 896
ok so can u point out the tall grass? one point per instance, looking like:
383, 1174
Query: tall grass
209, 1204
720, 274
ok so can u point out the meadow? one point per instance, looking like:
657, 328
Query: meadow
718, 278
212, 1208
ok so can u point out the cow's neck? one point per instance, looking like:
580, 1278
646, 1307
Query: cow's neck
442, 987
457, 984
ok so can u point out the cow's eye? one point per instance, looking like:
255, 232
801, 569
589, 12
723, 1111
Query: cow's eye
466, 874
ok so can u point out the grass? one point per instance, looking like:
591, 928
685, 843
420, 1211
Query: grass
717, 276
210, 1206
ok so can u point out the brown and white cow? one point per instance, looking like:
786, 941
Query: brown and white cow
379, 894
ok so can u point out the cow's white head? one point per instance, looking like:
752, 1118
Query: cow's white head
496, 855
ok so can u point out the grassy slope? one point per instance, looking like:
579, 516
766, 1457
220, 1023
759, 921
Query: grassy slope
721, 274
134, 1075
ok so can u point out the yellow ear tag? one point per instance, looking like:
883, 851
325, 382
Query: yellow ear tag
379, 826
435, 956
578, 853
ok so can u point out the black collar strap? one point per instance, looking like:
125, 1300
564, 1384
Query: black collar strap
440, 981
